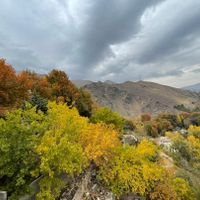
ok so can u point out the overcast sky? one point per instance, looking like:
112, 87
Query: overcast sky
118, 40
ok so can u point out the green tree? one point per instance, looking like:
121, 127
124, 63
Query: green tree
84, 104
107, 116
39, 102
18, 134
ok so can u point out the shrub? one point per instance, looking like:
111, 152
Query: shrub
151, 128
145, 117
183, 190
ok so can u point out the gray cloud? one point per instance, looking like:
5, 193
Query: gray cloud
109, 22
172, 32
100, 39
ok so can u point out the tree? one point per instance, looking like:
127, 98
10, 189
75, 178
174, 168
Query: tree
35, 84
106, 116
84, 104
9, 90
194, 148
35, 144
59, 150
172, 188
39, 102
194, 130
182, 150
132, 170
98, 140
62, 87
19, 133
165, 122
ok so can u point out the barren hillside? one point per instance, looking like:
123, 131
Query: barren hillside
134, 98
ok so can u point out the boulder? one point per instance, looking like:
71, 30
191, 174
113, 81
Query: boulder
129, 139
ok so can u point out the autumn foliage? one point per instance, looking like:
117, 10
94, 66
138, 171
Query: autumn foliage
16, 88
61, 86
50, 145
47, 135
98, 140
10, 91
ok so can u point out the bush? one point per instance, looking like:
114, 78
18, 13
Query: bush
129, 125
182, 149
151, 129
183, 190
145, 117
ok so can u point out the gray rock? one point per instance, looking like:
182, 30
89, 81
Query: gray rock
129, 139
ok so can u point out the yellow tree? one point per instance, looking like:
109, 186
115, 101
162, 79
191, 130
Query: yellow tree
132, 170
59, 151
98, 140
67, 147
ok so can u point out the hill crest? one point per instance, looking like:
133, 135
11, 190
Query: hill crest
131, 99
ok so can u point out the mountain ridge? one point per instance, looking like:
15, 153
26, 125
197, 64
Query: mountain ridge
131, 99
194, 88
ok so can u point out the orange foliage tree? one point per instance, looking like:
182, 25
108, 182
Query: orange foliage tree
62, 87
34, 83
8, 82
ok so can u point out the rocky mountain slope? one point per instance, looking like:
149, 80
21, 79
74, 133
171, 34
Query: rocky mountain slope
81, 83
194, 88
134, 98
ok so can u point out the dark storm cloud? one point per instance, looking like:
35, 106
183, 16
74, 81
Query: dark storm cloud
109, 22
51, 37
103, 39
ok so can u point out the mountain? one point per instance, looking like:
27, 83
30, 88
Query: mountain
81, 83
131, 99
109, 82
194, 88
